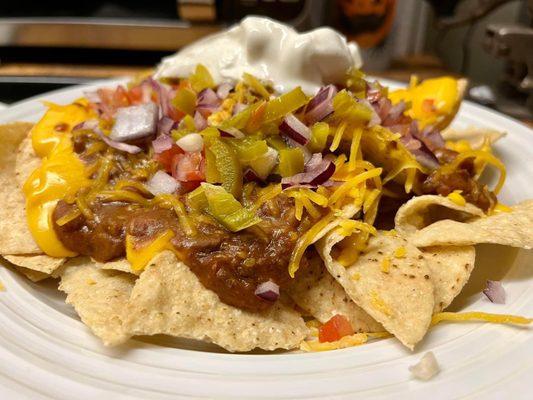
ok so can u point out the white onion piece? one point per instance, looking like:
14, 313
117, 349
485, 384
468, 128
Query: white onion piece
495, 292
162, 183
208, 97
135, 122
162, 143
267, 291
191, 142
294, 129
264, 165
426, 368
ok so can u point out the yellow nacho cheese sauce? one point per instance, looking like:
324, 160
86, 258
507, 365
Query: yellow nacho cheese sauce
60, 175
430, 100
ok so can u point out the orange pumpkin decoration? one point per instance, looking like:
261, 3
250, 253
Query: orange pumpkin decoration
369, 21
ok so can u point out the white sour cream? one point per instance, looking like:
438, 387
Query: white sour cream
270, 51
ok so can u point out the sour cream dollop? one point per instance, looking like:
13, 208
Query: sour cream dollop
270, 51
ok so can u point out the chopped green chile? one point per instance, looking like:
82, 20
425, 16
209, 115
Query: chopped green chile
255, 85
319, 137
185, 101
227, 210
227, 164
347, 109
291, 162
250, 148
201, 79
286, 103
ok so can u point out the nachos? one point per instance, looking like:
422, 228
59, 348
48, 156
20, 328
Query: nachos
234, 214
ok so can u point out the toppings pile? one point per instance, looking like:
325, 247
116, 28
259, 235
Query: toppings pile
224, 151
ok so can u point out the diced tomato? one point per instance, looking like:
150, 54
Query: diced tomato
337, 327
189, 166
165, 158
135, 94
120, 97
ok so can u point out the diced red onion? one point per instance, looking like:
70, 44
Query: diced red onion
206, 110
200, 122
426, 368
251, 176
134, 122
164, 95
191, 142
373, 92
319, 174
162, 183
128, 148
293, 128
430, 136
208, 97
165, 125
231, 132
162, 143
267, 291
495, 292
320, 106
223, 90
425, 158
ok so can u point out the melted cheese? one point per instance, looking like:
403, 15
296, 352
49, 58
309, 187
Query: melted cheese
140, 256
431, 101
457, 198
61, 173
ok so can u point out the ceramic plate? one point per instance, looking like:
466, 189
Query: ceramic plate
46, 352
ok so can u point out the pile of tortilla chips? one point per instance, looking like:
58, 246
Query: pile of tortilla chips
403, 278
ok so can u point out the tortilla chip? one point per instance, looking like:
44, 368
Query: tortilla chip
400, 299
15, 237
40, 263
34, 276
474, 135
118, 265
26, 162
450, 268
169, 299
514, 228
318, 293
99, 297
422, 211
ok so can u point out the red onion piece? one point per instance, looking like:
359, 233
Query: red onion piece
134, 122
320, 106
223, 90
206, 110
294, 129
162, 183
200, 122
208, 97
162, 143
267, 291
317, 175
165, 125
128, 148
250, 176
495, 292
231, 132
164, 95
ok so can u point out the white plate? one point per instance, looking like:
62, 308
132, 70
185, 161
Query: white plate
46, 352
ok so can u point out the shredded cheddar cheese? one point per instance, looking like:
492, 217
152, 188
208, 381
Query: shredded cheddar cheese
457, 198
385, 265
480, 316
